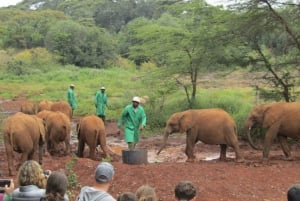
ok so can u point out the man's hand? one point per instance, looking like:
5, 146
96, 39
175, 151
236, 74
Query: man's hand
9, 189
141, 127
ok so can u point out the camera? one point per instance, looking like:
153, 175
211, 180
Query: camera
4, 182
46, 172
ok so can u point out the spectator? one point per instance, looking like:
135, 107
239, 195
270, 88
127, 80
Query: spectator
127, 196
146, 193
71, 98
293, 193
99, 192
56, 187
185, 191
101, 103
32, 183
134, 118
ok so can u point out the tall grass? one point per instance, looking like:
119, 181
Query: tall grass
121, 85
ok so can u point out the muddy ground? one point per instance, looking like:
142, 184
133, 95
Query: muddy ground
215, 180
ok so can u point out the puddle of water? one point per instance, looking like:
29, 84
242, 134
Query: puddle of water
169, 154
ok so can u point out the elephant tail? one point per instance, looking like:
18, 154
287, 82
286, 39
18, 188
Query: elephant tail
78, 126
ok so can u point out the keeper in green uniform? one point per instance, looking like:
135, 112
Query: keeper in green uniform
101, 103
71, 98
134, 120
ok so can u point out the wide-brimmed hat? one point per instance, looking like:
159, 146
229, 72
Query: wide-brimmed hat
136, 99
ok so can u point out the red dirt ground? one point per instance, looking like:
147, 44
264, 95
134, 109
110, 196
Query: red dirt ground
215, 180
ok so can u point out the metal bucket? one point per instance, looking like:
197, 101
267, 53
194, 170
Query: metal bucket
136, 156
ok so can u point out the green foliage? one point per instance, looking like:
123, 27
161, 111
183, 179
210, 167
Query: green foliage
72, 177
114, 15
80, 45
31, 61
108, 159
26, 29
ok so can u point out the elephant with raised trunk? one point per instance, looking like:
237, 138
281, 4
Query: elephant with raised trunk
279, 120
210, 126
91, 131
24, 134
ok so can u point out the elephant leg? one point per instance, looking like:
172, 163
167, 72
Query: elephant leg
25, 156
103, 145
67, 145
235, 145
223, 152
80, 148
49, 147
285, 147
31, 155
269, 137
40, 153
92, 151
190, 143
10, 158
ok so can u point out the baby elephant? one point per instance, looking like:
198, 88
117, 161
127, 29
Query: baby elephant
211, 126
91, 130
58, 127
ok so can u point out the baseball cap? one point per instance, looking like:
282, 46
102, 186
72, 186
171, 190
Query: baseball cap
136, 99
104, 172
102, 88
72, 85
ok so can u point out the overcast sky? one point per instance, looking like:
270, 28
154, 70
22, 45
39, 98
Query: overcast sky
4, 3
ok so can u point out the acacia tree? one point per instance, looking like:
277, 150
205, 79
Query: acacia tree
267, 32
184, 41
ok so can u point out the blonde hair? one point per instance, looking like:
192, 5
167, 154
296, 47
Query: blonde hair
146, 193
31, 173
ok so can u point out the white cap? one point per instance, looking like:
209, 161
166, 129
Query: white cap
72, 85
136, 99
102, 88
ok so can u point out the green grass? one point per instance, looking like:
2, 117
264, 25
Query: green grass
121, 85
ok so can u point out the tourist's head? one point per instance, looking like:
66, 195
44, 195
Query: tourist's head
185, 190
31, 173
146, 193
293, 193
104, 172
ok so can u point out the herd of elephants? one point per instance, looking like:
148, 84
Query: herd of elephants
37, 129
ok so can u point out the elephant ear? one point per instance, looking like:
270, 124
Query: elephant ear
185, 122
272, 115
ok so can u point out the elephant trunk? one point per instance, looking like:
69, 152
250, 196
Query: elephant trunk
251, 141
166, 135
